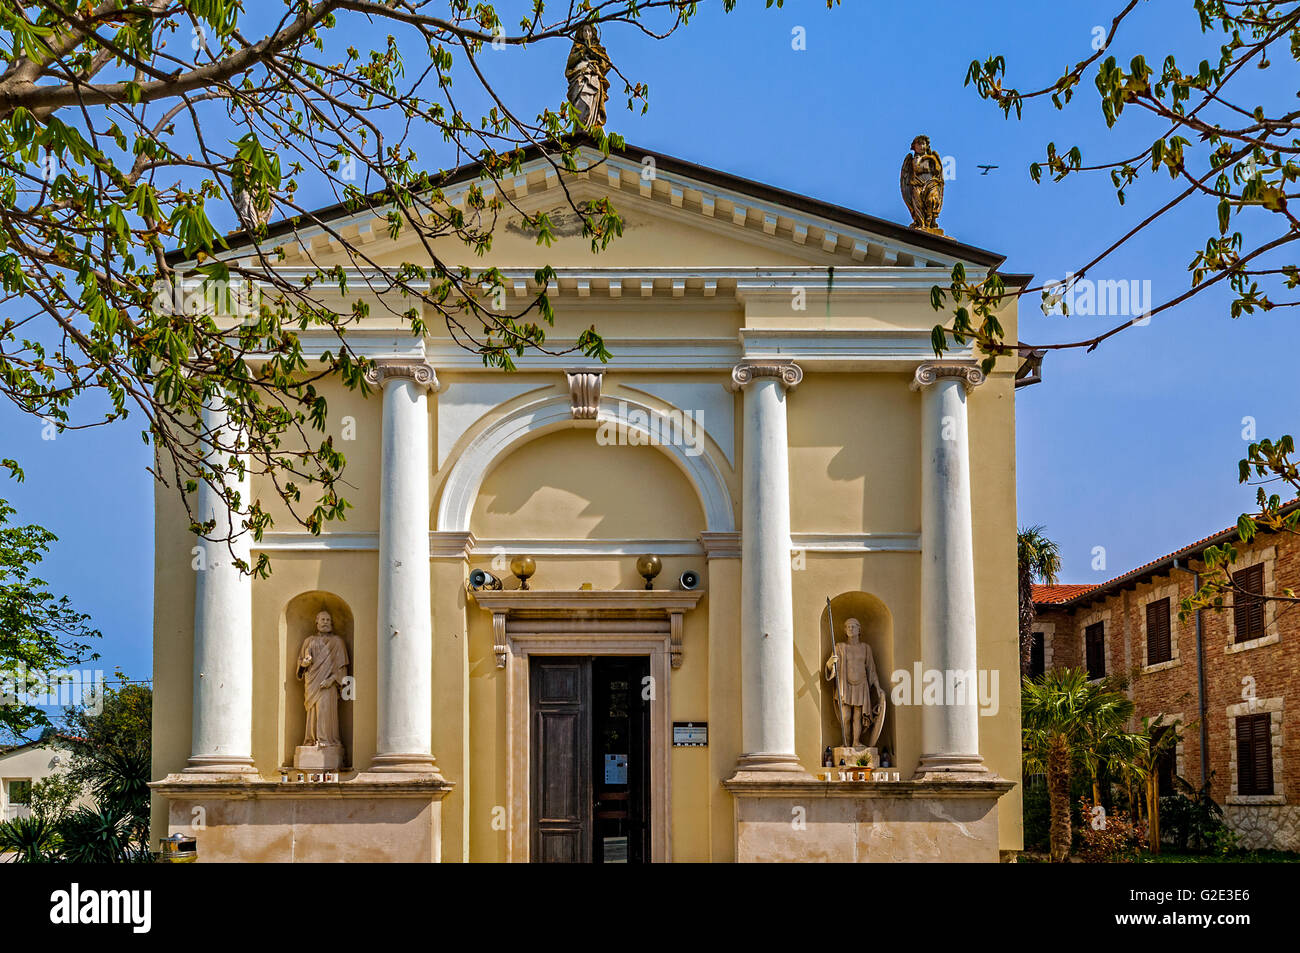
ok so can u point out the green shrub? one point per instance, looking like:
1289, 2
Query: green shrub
1193, 820
1109, 838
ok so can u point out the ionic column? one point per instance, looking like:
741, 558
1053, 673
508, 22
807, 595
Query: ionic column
404, 727
949, 731
222, 728
766, 600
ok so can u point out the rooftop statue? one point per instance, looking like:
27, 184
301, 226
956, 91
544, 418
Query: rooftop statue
585, 71
921, 181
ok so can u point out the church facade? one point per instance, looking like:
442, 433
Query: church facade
616, 612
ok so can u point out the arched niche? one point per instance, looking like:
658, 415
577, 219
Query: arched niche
297, 623
878, 632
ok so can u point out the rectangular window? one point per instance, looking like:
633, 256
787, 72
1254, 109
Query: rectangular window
20, 793
1159, 647
1248, 607
1037, 655
1255, 754
1094, 640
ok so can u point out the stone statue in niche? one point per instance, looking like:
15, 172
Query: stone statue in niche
853, 670
322, 666
588, 85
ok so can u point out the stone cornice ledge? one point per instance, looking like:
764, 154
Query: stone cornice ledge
985, 787
720, 545
178, 786
533, 601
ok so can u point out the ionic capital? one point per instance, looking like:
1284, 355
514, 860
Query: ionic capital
387, 369
787, 372
968, 374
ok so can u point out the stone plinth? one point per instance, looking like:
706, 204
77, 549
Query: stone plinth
318, 757
356, 821
849, 756
816, 821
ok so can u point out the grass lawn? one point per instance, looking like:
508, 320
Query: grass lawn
1178, 857
1236, 857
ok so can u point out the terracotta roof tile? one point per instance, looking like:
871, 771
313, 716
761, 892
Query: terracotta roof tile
1062, 594
1053, 595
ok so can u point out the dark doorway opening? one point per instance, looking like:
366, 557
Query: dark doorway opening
590, 759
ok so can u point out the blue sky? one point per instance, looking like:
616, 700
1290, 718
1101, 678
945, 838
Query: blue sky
1133, 448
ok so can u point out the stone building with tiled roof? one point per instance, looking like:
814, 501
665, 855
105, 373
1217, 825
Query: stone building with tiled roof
1232, 676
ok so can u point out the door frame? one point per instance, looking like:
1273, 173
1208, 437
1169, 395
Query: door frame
650, 637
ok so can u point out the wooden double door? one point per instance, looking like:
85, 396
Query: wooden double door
590, 759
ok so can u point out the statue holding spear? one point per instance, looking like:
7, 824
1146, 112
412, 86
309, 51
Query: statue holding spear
853, 670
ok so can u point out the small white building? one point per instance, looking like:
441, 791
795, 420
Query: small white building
21, 767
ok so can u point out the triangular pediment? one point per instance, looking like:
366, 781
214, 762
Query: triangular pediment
675, 215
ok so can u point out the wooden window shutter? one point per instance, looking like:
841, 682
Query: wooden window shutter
1159, 644
1255, 754
1037, 654
1248, 610
1094, 637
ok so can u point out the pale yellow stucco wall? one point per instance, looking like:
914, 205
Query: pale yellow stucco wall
854, 440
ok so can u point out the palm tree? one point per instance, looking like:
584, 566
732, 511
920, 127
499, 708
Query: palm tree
1067, 720
1038, 560
1161, 738
1123, 752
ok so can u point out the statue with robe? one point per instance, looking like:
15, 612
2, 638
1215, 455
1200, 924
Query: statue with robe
322, 667
586, 72
921, 181
853, 670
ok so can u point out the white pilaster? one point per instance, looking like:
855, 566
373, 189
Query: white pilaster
404, 729
766, 600
222, 730
949, 731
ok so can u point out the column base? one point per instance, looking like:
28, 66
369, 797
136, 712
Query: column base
766, 765
954, 767
423, 765
215, 765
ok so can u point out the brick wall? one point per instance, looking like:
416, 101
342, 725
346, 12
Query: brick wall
1262, 675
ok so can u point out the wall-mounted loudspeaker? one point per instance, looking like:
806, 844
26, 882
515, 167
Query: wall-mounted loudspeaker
690, 579
482, 579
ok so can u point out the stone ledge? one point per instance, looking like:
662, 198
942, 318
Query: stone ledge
985, 787
1255, 800
188, 786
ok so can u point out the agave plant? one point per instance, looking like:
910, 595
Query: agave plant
33, 839
116, 829
96, 836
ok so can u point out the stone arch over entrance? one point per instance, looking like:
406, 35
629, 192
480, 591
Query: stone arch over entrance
545, 416
878, 632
